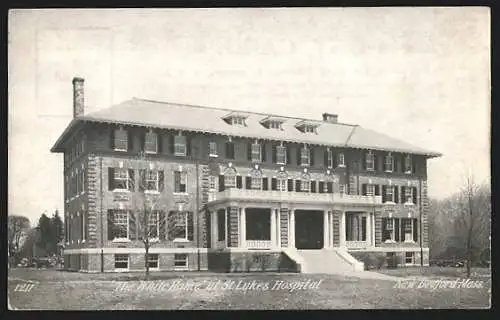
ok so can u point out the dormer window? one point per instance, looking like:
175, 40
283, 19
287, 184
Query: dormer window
273, 122
309, 129
275, 125
408, 164
240, 121
389, 163
307, 126
236, 119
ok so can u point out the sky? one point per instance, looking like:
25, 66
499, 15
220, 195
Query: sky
418, 74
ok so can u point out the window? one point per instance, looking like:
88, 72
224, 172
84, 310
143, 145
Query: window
153, 261
329, 158
305, 185
256, 152
408, 164
355, 227
407, 230
256, 182
370, 161
212, 183
121, 261
151, 142
240, 121
409, 257
180, 145
77, 186
120, 140
229, 150
282, 184
309, 129
370, 190
408, 195
388, 229
82, 181
120, 224
304, 156
154, 225
230, 180
152, 180
389, 194
340, 160
180, 260
274, 125
343, 189
121, 179
180, 182
280, 155
84, 226
181, 225
389, 163
212, 145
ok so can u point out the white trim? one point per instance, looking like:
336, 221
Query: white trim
119, 240
134, 250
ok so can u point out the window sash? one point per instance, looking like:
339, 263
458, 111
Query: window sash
409, 195
230, 181
152, 180
408, 164
121, 179
121, 222
304, 156
280, 155
181, 225
180, 145
342, 188
154, 224
305, 185
121, 261
282, 184
409, 257
340, 159
256, 152
180, 260
180, 182
151, 142
370, 190
370, 161
121, 140
256, 183
212, 183
329, 159
153, 260
389, 193
213, 149
389, 163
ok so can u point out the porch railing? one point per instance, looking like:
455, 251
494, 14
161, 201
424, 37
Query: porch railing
258, 244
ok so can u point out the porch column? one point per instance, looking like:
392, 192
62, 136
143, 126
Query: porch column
243, 228
331, 228
226, 222
325, 229
278, 228
368, 228
342, 229
215, 228
291, 229
273, 227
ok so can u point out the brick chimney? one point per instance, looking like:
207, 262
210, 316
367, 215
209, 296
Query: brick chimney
330, 118
78, 97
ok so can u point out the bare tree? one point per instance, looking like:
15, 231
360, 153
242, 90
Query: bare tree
17, 227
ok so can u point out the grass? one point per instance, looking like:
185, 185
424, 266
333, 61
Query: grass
58, 290
437, 272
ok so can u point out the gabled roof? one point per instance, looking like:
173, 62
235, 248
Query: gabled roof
166, 115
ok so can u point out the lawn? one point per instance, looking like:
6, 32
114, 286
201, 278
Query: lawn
437, 272
59, 290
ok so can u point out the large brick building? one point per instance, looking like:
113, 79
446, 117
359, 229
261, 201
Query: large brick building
240, 190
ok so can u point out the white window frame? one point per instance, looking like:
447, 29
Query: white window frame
309, 129
180, 146
256, 182
120, 137
157, 261
156, 181
121, 255
182, 178
154, 217
274, 125
153, 136
370, 189
342, 188
117, 176
179, 213
329, 153
390, 190
341, 159
408, 164
412, 257
212, 146
256, 152
230, 181
389, 163
391, 230
405, 222
281, 155
185, 260
282, 184
240, 121
409, 195
212, 183
304, 155
118, 222
370, 161
305, 185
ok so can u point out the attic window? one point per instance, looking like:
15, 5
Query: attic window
274, 125
238, 121
306, 126
309, 129
273, 122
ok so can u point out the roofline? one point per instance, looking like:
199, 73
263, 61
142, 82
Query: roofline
76, 121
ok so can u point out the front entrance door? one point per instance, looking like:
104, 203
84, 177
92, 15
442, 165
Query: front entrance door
308, 229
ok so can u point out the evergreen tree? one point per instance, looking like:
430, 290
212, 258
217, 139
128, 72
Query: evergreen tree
57, 227
46, 239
